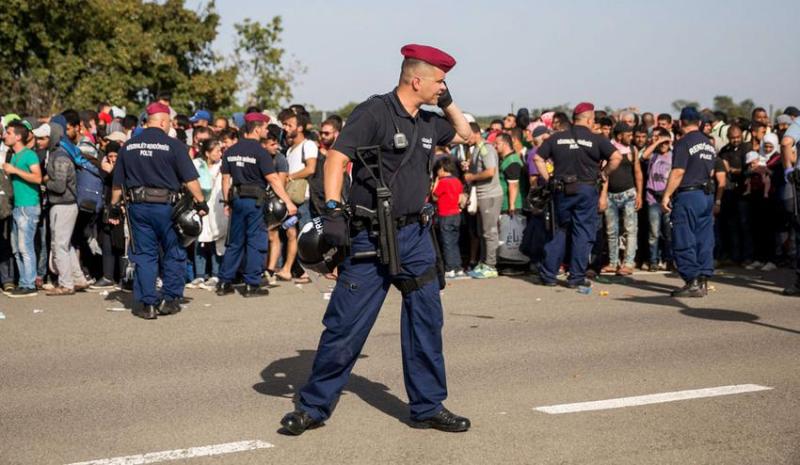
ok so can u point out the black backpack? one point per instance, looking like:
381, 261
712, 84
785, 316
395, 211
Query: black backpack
6, 196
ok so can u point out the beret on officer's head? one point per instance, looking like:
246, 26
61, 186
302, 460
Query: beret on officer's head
157, 107
431, 55
256, 116
582, 107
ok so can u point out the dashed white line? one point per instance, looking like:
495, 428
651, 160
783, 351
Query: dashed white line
651, 399
179, 454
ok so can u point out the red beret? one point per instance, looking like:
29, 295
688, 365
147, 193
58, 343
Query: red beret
582, 107
157, 107
256, 117
430, 55
104, 117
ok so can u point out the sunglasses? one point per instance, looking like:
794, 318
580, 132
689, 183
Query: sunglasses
325, 133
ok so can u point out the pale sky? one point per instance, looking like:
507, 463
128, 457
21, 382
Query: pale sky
537, 54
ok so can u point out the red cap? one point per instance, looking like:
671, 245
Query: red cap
582, 107
105, 117
430, 55
254, 116
157, 107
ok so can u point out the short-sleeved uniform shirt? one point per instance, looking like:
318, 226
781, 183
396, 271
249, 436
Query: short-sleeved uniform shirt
794, 133
26, 194
576, 153
247, 162
373, 122
695, 154
153, 159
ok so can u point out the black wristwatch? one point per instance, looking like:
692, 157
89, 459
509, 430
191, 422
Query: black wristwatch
331, 205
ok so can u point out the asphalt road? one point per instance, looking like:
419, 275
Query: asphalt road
80, 382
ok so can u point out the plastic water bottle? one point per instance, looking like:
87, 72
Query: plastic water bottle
289, 222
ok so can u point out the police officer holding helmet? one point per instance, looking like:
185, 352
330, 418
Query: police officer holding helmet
246, 170
406, 137
689, 199
576, 154
150, 169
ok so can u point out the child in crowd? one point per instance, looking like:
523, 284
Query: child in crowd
759, 176
211, 243
446, 192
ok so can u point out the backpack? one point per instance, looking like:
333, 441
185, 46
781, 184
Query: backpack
6, 196
89, 190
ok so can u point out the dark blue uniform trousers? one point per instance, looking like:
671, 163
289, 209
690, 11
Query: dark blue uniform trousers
354, 306
693, 234
153, 234
247, 241
575, 215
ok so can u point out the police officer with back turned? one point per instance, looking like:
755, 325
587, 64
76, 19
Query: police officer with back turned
246, 170
576, 154
406, 137
690, 201
151, 168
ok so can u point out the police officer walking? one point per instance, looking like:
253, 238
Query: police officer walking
407, 137
150, 168
246, 170
576, 154
690, 201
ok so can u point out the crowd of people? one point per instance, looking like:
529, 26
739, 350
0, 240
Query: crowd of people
56, 237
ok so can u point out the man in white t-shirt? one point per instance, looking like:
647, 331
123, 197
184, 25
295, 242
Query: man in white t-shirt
301, 155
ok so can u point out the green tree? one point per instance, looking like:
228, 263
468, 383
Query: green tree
264, 76
75, 53
346, 110
680, 104
727, 105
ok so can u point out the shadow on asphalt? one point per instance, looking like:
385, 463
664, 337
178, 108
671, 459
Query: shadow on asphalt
284, 378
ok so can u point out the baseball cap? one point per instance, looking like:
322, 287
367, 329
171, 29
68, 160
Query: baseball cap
238, 119
9, 118
539, 131
42, 131
117, 112
199, 115
690, 114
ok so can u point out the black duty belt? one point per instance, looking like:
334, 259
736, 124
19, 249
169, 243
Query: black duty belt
249, 191
143, 194
697, 187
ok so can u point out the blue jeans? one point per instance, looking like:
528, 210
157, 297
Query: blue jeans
659, 232
26, 220
449, 228
203, 253
624, 202
303, 214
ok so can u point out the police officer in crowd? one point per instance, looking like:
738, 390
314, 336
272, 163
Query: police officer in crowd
790, 146
388, 120
246, 170
576, 154
151, 167
689, 199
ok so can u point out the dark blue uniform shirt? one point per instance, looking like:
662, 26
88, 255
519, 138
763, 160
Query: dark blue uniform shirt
695, 154
373, 122
247, 162
153, 159
576, 152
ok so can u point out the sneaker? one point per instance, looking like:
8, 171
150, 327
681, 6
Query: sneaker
125, 285
460, 274
450, 275
195, 283
484, 273
272, 280
754, 266
21, 292
102, 283
48, 286
210, 284
8, 288
769, 266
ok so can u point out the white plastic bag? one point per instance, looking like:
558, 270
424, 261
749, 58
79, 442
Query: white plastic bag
512, 229
472, 204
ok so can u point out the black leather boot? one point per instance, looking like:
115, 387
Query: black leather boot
691, 289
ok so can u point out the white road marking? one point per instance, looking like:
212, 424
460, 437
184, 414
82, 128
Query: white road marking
651, 399
179, 454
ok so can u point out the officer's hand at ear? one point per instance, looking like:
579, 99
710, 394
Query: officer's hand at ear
335, 228
445, 99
